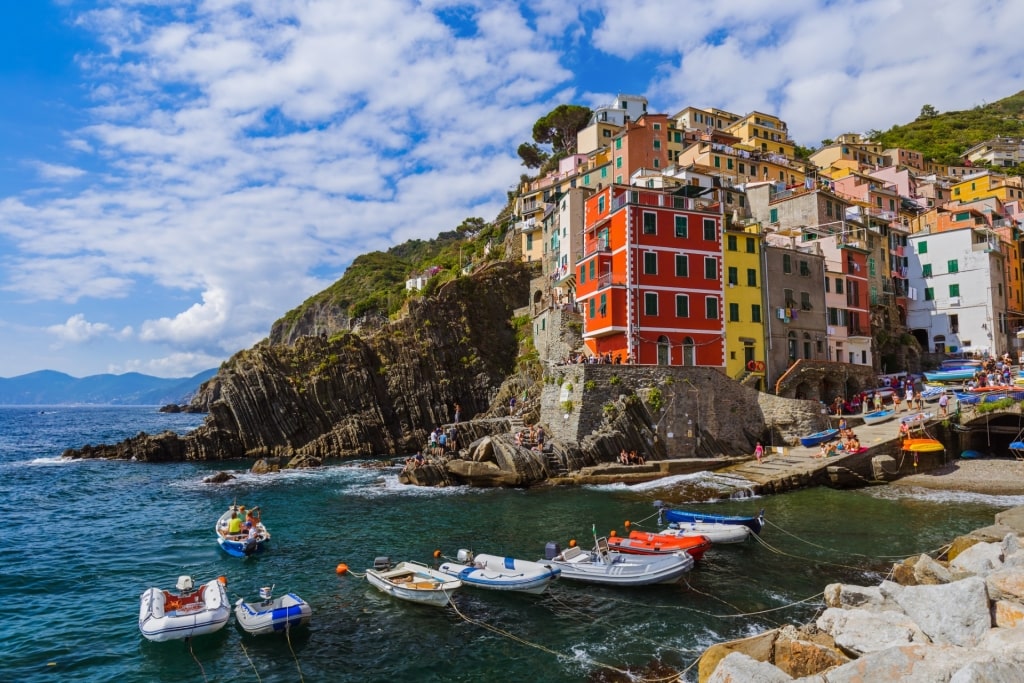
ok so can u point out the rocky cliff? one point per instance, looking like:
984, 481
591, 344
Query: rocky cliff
346, 395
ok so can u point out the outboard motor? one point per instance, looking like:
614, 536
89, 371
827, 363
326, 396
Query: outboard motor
267, 593
184, 584
465, 556
382, 563
552, 550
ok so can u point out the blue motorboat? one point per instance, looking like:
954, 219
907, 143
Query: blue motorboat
755, 523
957, 375
821, 437
252, 538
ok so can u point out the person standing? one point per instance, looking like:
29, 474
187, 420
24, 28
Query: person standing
896, 400
458, 413
943, 403
759, 452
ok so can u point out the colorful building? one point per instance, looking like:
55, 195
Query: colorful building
649, 283
744, 300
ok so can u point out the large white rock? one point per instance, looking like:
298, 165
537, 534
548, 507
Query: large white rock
979, 559
955, 613
737, 667
849, 596
910, 663
1006, 583
1003, 640
859, 631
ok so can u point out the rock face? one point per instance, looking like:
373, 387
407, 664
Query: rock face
345, 395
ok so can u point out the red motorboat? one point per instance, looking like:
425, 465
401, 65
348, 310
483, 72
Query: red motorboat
643, 543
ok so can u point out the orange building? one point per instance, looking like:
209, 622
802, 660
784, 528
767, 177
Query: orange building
650, 278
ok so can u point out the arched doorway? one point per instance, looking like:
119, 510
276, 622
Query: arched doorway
664, 351
688, 351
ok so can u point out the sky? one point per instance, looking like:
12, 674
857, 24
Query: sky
175, 175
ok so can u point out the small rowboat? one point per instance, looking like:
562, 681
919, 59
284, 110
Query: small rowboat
189, 612
716, 533
755, 523
821, 437
272, 614
643, 543
916, 419
956, 375
922, 446
240, 544
602, 566
931, 394
878, 416
412, 581
500, 573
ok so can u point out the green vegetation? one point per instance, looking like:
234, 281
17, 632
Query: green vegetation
567, 406
943, 137
589, 385
614, 380
655, 399
556, 129
1001, 404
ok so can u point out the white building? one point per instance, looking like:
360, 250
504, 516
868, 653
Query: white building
956, 299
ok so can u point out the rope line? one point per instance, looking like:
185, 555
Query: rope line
288, 635
878, 557
251, 663
192, 652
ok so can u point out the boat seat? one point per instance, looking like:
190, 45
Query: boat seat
570, 553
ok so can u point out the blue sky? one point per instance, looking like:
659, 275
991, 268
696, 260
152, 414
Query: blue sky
176, 175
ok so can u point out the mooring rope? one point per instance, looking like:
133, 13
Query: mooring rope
873, 557
251, 663
192, 652
288, 635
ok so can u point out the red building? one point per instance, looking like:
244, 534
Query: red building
650, 277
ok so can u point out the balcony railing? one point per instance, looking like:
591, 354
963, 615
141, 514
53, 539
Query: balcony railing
595, 247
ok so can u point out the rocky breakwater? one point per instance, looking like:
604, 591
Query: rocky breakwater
957, 619
349, 395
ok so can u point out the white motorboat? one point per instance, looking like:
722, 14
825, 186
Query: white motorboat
412, 581
164, 615
272, 614
500, 573
716, 532
604, 566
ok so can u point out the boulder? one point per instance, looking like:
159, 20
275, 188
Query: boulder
264, 466
1006, 583
962, 543
847, 596
218, 478
911, 663
1011, 544
304, 461
990, 671
858, 631
1007, 614
928, 572
737, 667
1004, 640
1012, 518
799, 657
758, 647
979, 559
954, 613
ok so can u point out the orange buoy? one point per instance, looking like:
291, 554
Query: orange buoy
223, 580
572, 542
611, 533
342, 568
437, 554
626, 524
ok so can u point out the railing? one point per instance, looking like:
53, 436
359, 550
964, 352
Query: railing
595, 247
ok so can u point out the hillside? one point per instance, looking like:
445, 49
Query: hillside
943, 137
48, 387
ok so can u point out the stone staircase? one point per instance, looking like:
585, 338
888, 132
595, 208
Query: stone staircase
553, 464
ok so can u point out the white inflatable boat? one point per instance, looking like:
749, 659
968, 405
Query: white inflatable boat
272, 614
164, 615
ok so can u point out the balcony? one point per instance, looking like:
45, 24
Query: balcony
853, 331
596, 246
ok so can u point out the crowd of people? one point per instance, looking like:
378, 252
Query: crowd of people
607, 358
532, 437
631, 458
847, 443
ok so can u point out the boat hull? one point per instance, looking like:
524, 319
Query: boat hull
270, 616
755, 524
819, 437
160, 620
502, 574
878, 416
615, 569
238, 545
961, 375
415, 583
643, 543
716, 533
922, 446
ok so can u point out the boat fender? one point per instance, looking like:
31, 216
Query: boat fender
222, 580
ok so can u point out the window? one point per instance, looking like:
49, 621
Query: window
827, 283
773, 216
529, 241
839, 285
751, 247
592, 264
787, 294
734, 275
682, 265
730, 242
650, 263
682, 306
755, 313
953, 265
657, 144
603, 310
954, 324
926, 270
710, 268
592, 308
710, 230
787, 264
728, 163
954, 290
586, 179
805, 301
734, 313
922, 247
618, 143
718, 162
711, 307
604, 171
600, 204
650, 303
650, 223
805, 269
929, 294
583, 273
618, 162
681, 230
751, 277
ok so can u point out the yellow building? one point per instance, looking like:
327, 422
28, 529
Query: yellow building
850, 147
744, 308
762, 133
985, 184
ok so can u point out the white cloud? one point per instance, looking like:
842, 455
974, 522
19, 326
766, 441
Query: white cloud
57, 171
77, 330
173, 365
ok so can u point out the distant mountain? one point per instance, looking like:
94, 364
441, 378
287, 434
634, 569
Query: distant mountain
48, 387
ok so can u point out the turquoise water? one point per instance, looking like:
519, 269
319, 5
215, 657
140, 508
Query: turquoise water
83, 540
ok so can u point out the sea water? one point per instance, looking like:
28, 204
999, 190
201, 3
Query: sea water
81, 540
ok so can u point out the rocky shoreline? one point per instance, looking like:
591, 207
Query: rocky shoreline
958, 618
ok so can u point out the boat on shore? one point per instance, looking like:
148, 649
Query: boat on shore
649, 543
952, 375
190, 611
500, 573
272, 614
754, 523
922, 445
878, 416
412, 581
818, 438
606, 567
240, 544
916, 419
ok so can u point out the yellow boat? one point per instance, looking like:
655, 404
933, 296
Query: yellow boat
923, 445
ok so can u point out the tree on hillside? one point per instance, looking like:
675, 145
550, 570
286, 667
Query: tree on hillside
532, 155
928, 112
559, 127
471, 226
